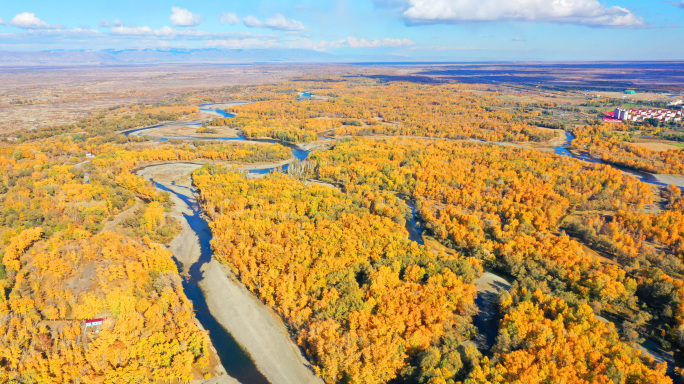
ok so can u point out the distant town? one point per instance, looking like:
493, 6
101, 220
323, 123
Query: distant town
620, 115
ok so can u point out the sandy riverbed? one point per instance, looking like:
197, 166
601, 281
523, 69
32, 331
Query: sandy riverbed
188, 131
320, 144
488, 287
671, 179
185, 246
253, 325
170, 170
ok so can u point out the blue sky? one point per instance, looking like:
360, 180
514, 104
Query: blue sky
418, 29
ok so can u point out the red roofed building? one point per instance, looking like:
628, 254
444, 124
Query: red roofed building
94, 322
608, 119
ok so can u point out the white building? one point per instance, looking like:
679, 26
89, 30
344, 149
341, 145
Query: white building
621, 114
643, 114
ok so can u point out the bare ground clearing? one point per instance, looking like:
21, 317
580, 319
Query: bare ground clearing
31, 97
191, 131
654, 144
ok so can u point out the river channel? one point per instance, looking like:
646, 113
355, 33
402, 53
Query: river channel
643, 176
235, 360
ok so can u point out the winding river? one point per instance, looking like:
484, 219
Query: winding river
234, 359
643, 176
237, 362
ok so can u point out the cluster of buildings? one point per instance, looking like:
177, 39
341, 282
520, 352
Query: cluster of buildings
643, 114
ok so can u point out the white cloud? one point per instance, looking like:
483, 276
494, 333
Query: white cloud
278, 22
68, 33
230, 18
679, 5
353, 42
47, 34
583, 12
248, 43
181, 17
28, 20
170, 33
265, 41
174, 33
253, 22
282, 23
106, 24
349, 42
84, 32
123, 30
441, 48
316, 45
2, 22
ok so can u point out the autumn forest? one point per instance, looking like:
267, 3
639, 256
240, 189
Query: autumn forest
389, 224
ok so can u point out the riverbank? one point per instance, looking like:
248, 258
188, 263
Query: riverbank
189, 132
171, 168
677, 180
488, 286
320, 144
660, 180
186, 250
252, 324
657, 179
256, 327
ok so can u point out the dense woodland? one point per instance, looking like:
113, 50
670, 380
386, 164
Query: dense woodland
361, 106
508, 208
83, 237
603, 142
61, 266
502, 206
365, 302
545, 339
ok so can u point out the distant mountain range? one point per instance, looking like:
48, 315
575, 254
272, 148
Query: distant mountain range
177, 56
